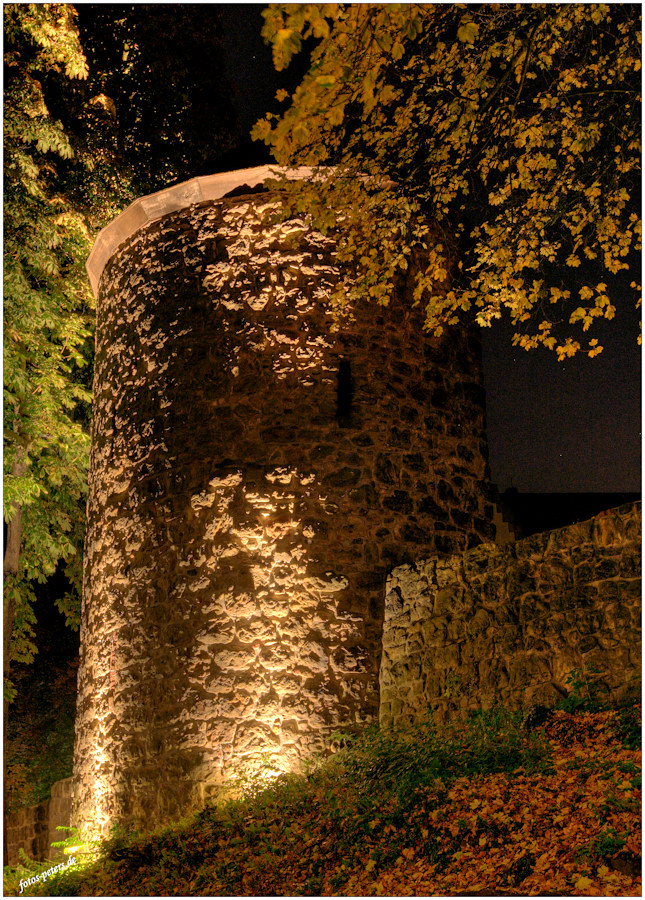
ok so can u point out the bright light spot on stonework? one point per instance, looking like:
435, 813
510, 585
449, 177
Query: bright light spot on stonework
100, 818
260, 771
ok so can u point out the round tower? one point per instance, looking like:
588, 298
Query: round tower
255, 474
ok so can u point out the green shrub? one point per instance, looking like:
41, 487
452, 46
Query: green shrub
584, 693
402, 761
628, 726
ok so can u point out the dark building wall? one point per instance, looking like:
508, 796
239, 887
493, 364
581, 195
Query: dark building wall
254, 476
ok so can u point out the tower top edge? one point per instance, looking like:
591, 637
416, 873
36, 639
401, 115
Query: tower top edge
172, 199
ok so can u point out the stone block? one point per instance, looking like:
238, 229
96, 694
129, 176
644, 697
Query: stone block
447, 601
608, 529
481, 620
399, 501
345, 477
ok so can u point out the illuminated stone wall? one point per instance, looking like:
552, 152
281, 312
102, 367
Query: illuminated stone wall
511, 623
34, 828
254, 477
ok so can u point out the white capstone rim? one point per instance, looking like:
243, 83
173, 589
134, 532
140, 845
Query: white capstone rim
179, 196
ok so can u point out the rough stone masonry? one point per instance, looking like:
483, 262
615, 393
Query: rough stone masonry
516, 624
254, 477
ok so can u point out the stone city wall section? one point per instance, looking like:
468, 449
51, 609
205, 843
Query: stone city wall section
510, 624
254, 477
35, 828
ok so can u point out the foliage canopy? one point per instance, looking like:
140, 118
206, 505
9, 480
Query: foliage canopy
155, 106
47, 314
500, 145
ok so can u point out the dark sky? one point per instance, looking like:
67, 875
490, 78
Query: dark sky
570, 426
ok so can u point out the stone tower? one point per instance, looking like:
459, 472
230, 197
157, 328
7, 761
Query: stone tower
254, 477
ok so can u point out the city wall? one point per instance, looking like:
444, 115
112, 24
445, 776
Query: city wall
34, 829
511, 623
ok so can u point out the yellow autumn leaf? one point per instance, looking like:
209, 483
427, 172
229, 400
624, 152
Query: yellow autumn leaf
320, 28
335, 114
300, 132
583, 883
467, 33
105, 103
261, 130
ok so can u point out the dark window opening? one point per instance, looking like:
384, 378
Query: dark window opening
344, 395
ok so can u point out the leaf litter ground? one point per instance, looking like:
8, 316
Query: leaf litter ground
483, 809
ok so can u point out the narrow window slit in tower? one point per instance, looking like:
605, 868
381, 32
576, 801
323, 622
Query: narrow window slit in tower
344, 394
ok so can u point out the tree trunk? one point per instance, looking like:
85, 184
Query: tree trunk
10, 570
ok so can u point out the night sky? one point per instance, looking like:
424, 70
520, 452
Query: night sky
573, 426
